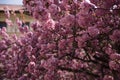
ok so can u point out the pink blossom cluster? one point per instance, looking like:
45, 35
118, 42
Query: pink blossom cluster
72, 40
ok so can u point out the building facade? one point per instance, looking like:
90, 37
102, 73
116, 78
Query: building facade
16, 11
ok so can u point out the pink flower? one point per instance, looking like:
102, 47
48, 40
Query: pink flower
50, 24
93, 31
115, 36
68, 20
114, 66
115, 56
7, 13
19, 22
9, 22
62, 44
53, 9
108, 77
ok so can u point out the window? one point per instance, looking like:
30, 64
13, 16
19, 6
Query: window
25, 23
3, 24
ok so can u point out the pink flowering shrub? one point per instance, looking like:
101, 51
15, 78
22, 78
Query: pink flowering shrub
72, 40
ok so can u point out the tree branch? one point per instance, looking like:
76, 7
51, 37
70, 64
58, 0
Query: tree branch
78, 71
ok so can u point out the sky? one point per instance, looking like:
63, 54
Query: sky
16, 2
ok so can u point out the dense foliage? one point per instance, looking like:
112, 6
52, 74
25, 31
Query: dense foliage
72, 40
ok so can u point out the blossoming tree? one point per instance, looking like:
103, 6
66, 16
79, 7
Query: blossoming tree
72, 40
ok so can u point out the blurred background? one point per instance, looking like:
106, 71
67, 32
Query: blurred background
13, 2
17, 11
